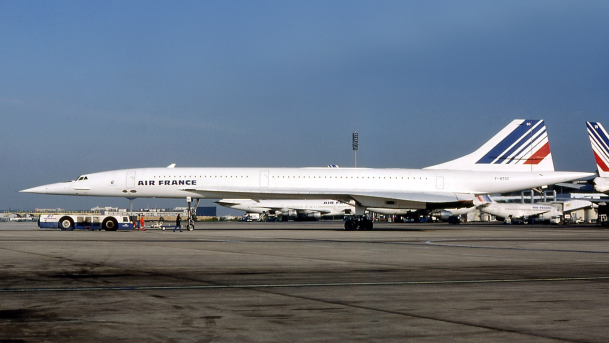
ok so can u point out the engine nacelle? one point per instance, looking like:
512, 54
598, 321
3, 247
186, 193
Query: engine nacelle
443, 215
291, 213
309, 216
314, 216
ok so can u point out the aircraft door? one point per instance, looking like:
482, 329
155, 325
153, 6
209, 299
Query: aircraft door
264, 178
440, 182
131, 179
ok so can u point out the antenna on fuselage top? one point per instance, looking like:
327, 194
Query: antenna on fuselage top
173, 165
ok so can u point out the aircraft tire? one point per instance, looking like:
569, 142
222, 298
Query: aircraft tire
350, 225
366, 225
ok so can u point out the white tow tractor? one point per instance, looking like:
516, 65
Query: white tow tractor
69, 222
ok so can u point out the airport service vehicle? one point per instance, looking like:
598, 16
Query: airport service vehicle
70, 222
516, 158
599, 139
250, 217
455, 220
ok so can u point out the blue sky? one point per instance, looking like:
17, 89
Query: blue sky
90, 86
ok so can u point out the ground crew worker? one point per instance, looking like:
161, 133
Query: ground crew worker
142, 224
178, 224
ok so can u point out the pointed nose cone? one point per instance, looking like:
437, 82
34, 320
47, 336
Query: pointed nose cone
38, 190
53, 188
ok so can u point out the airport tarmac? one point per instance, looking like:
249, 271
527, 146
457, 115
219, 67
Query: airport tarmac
306, 282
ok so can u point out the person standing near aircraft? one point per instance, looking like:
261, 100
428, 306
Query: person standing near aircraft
142, 226
178, 224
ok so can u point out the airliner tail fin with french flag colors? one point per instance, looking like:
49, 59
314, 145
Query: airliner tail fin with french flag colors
600, 145
483, 199
521, 146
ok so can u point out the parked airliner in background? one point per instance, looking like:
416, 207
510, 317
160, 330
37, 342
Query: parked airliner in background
304, 209
516, 158
600, 146
514, 210
297, 209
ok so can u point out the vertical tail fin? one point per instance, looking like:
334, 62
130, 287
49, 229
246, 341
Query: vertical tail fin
521, 146
482, 199
600, 146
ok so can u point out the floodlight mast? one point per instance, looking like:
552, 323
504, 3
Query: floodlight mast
355, 146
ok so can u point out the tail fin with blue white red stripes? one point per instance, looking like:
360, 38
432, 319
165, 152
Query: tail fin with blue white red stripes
482, 200
600, 146
521, 146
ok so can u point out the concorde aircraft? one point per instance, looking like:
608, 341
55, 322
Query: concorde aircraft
600, 146
516, 158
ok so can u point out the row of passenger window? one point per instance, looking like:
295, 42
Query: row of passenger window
297, 177
204, 176
352, 177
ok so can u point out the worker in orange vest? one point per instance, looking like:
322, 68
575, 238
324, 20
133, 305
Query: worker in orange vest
142, 224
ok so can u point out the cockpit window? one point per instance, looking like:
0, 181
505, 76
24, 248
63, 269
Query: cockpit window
82, 178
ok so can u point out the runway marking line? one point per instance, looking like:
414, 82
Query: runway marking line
293, 285
433, 243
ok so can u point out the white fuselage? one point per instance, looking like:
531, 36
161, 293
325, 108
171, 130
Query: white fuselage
507, 210
601, 184
406, 188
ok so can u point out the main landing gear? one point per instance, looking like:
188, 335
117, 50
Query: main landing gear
191, 222
362, 223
